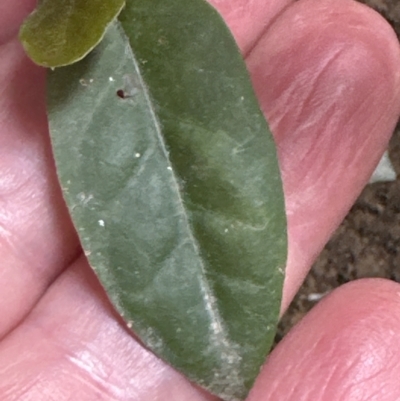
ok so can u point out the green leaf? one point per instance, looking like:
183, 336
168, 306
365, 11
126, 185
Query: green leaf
172, 180
62, 32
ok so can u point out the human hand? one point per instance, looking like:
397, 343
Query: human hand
327, 77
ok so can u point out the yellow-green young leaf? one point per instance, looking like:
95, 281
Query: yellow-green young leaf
61, 32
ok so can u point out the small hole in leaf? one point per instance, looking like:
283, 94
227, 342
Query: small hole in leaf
121, 94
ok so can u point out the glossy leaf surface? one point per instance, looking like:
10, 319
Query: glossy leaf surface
61, 32
171, 177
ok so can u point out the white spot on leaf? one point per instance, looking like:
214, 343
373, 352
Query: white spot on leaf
83, 198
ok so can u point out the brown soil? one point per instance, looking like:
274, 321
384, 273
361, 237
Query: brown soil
367, 244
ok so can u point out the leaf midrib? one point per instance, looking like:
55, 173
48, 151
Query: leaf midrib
204, 285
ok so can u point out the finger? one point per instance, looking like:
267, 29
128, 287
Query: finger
327, 77
346, 349
37, 239
11, 16
83, 352
248, 19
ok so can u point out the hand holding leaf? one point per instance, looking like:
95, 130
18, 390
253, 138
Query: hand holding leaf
72, 327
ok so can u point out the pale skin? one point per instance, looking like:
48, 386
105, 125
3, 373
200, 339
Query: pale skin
327, 75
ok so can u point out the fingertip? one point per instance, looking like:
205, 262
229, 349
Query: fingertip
327, 78
345, 349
